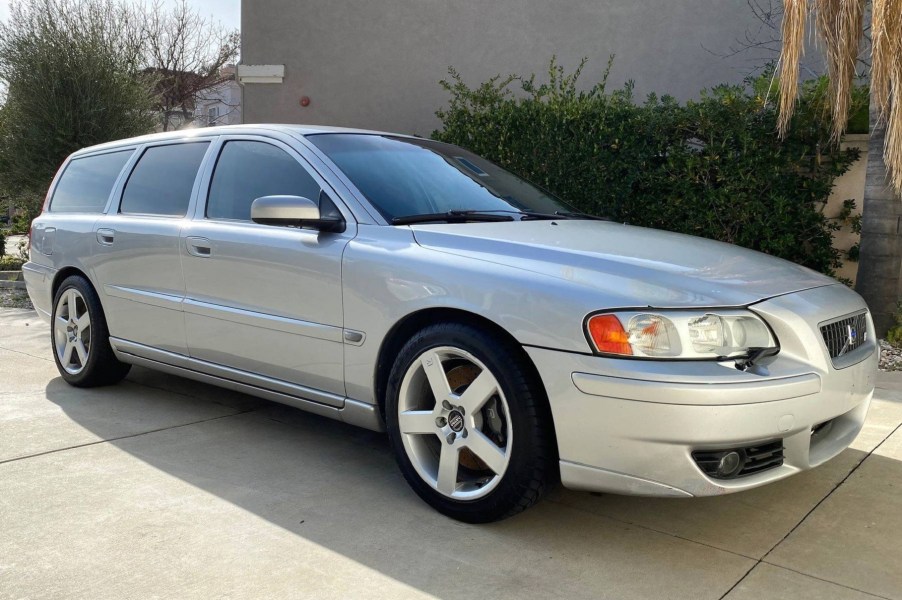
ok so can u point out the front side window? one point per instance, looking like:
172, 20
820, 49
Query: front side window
162, 181
248, 170
410, 176
86, 183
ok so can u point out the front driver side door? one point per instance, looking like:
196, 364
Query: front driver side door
263, 299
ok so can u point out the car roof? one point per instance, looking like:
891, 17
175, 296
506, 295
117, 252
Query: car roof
185, 134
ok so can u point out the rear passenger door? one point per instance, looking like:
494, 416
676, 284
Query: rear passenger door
260, 298
137, 262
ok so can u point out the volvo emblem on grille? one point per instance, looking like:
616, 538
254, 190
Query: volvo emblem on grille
851, 338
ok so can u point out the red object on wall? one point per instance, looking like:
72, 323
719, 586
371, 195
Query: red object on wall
305, 100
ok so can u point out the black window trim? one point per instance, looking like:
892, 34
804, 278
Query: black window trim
136, 159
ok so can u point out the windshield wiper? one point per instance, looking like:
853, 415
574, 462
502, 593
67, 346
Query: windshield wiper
579, 215
452, 216
462, 216
528, 215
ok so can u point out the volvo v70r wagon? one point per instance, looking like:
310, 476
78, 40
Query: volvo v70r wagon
504, 340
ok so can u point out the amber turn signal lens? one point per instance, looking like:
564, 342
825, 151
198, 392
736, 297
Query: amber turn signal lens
608, 335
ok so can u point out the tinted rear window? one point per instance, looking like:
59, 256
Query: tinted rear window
161, 182
86, 183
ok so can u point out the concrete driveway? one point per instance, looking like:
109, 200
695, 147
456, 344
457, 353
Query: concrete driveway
164, 488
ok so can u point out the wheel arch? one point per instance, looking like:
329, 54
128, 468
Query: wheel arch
406, 327
61, 276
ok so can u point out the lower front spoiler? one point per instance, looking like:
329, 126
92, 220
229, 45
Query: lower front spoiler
592, 479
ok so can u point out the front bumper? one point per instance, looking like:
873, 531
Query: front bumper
630, 426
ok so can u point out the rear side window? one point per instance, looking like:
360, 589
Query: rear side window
161, 182
248, 170
86, 183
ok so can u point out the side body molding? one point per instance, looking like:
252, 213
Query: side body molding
318, 402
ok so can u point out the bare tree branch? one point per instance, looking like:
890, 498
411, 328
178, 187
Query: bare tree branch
762, 42
187, 53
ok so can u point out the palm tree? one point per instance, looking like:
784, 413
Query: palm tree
839, 25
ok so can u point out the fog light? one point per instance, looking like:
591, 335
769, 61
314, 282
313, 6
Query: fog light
730, 464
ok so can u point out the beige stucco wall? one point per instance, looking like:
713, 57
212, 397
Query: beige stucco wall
849, 186
376, 64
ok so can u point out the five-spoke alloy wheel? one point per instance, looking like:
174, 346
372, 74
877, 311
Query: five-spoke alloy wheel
72, 331
455, 423
81, 344
469, 424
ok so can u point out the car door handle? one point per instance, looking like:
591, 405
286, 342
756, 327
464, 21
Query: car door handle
106, 236
198, 246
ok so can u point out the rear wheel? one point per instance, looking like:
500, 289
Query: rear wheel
468, 424
80, 339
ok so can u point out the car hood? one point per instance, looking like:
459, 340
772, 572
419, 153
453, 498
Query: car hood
631, 266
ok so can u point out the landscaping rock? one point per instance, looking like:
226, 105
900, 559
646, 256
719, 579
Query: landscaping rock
890, 357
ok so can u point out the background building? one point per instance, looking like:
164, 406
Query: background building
221, 103
377, 64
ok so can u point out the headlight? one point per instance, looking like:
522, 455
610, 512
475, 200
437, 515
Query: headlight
707, 334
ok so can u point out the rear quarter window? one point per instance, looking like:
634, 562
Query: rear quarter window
86, 183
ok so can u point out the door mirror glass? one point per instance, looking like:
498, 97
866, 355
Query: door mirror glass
292, 211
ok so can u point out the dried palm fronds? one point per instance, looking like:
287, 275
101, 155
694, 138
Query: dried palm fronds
886, 81
794, 17
840, 27
886, 51
892, 149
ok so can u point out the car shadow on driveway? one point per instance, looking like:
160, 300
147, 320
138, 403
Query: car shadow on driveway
337, 489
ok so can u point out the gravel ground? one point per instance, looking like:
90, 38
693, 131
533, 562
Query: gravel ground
11, 298
890, 357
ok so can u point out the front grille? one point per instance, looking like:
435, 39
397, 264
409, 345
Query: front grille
845, 335
754, 459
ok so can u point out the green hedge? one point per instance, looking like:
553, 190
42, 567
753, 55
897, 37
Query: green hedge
11, 263
712, 167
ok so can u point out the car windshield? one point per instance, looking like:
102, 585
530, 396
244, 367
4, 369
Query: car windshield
405, 177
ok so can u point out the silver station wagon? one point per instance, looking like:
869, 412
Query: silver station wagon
504, 340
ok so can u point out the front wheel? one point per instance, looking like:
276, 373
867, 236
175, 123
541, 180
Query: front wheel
468, 423
80, 339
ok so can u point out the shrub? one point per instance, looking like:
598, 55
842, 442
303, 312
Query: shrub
712, 167
22, 250
894, 334
11, 263
71, 73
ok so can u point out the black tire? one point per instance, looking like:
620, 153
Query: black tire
101, 366
532, 469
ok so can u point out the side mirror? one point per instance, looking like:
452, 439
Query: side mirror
293, 211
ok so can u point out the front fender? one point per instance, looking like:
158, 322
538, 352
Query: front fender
387, 276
